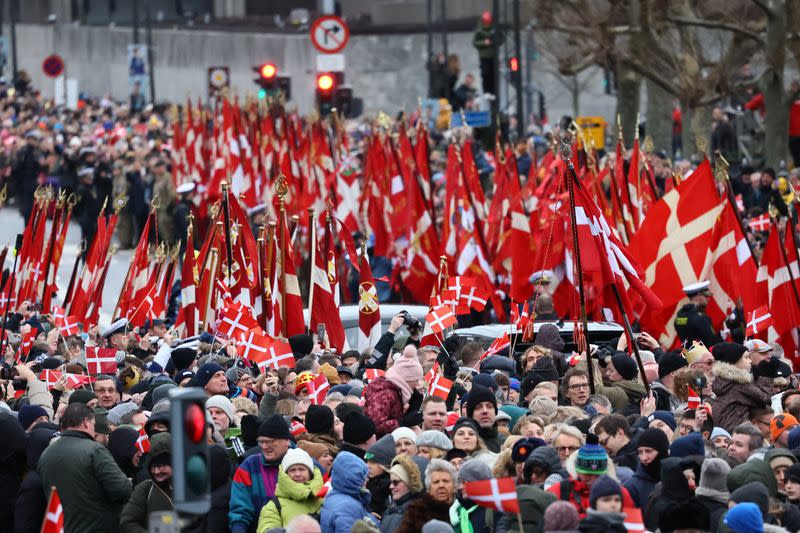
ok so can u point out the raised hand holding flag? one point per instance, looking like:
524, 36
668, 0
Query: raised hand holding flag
101, 360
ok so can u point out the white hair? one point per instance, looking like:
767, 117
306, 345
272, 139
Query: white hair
439, 465
302, 523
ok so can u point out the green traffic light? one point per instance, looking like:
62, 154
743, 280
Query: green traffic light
197, 474
262, 94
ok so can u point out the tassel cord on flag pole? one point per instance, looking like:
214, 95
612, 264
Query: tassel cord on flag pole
571, 177
11, 282
226, 215
629, 332
722, 172
312, 219
281, 189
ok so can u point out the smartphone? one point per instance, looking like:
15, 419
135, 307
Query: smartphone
321, 332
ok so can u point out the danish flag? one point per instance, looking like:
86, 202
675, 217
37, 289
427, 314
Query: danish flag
759, 223
524, 318
280, 354
499, 494
51, 377
693, 399
452, 418
69, 326
499, 344
373, 373
441, 318
758, 321
237, 321
445, 297
319, 388
633, 520
101, 360
254, 345
432, 373
58, 315
143, 442
27, 341
472, 298
54, 517
440, 386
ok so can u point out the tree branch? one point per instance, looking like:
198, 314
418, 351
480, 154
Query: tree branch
716, 25
764, 6
653, 75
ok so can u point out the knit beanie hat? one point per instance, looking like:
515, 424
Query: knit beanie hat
404, 433
728, 352
477, 395
745, 518
319, 419
82, 396
485, 380
28, 413
523, 447
779, 457
560, 516
625, 366
116, 413
779, 424
603, 486
670, 362
656, 439
469, 422
665, 416
206, 372
713, 477
358, 428
382, 452
314, 449
407, 366
223, 403
793, 473
691, 444
753, 492
474, 470
296, 456
549, 336
592, 458
719, 432
437, 526
274, 427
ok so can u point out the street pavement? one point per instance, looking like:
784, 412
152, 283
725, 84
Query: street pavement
11, 223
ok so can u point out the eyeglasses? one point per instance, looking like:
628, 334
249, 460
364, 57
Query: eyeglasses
579, 386
266, 442
395, 482
757, 421
566, 449
604, 441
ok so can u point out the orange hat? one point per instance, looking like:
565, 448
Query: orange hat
780, 424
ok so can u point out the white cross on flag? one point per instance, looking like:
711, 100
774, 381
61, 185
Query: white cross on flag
27, 341
445, 297
440, 386
254, 345
758, 321
318, 389
101, 360
499, 344
237, 321
58, 315
54, 517
499, 494
51, 377
432, 373
69, 326
441, 318
633, 520
760, 223
472, 298
373, 373
693, 399
143, 442
279, 354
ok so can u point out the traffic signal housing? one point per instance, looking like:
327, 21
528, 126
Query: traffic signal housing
191, 469
325, 90
513, 69
270, 82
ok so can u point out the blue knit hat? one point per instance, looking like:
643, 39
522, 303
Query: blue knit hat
745, 518
603, 486
592, 459
691, 444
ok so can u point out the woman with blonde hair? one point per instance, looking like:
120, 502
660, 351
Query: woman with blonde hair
466, 437
529, 426
433, 444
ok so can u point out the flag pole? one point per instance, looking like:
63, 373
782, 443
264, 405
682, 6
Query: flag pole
10, 282
583, 329
281, 188
226, 215
519, 522
629, 332
313, 253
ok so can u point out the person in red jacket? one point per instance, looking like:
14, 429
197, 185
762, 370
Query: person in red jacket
585, 466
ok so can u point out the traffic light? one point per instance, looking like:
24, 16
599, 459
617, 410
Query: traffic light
326, 87
513, 69
270, 82
191, 470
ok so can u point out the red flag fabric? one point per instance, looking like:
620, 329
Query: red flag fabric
440, 386
254, 345
188, 316
27, 341
143, 442
498, 494
236, 321
69, 326
369, 316
54, 516
634, 522
759, 223
371, 374
279, 354
499, 344
318, 389
441, 318
324, 307
758, 321
693, 399
101, 360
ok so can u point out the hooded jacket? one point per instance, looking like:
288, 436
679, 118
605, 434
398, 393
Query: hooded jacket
294, 498
394, 514
641, 485
347, 500
253, 486
674, 488
383, 403
148, 497
31, 503
621, 394
736, 395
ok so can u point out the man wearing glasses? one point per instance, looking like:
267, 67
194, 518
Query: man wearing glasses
256, 478
576, 387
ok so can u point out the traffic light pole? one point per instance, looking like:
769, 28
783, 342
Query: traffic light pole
518, 78
149, 22
495, 119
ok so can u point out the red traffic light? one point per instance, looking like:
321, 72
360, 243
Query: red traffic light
268, 71
325, 82
513, 64
194, 422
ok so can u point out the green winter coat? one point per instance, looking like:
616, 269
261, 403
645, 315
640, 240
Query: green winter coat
295, 499
621, 394
91, 486
147, 497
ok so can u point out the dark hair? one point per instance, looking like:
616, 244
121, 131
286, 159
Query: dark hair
127, 418
611, 424
306, 363
106, 377
756, 437
470, 353
75, 414
571, 373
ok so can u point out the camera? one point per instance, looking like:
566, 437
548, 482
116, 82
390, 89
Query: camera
699, 382
413, 325
8, 373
